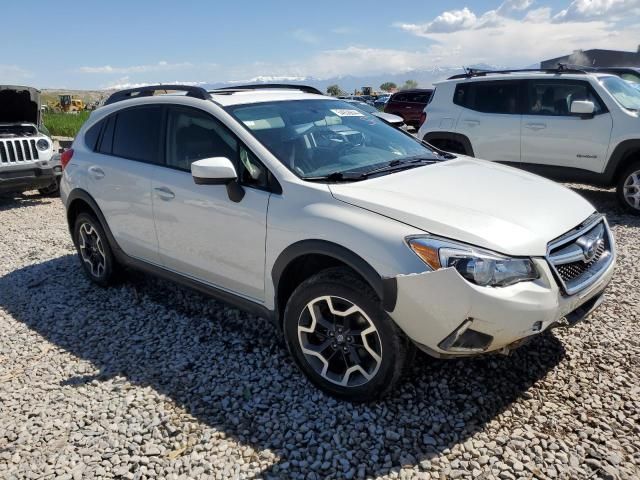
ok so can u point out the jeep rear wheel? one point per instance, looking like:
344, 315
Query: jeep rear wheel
342, 339
628, 189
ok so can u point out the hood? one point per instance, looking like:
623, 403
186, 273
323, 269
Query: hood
19, 104
389, 118
474, 201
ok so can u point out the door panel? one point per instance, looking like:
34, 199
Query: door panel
551, 135
120, 181
490, 118
201, 232
205, 235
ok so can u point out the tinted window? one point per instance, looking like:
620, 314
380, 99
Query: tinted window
399, 97
488, 97
106, 142
91, 135
193, 135
137, 134
554, 98
419, 97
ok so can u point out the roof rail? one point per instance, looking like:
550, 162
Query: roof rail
149, 90
263, 86
562, 68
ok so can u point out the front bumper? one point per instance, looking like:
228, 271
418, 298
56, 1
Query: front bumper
28, 176
447, 316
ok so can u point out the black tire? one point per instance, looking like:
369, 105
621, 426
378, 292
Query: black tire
395, 348
85, 225
633, 169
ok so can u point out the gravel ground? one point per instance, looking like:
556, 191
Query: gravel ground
151, 380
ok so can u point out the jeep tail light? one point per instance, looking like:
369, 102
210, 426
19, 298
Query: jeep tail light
66, 157
423, 118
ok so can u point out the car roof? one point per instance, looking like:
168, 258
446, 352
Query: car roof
523, 76
260, 96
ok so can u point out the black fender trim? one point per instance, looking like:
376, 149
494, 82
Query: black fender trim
130, 262
458, 137
618, 159
385, 288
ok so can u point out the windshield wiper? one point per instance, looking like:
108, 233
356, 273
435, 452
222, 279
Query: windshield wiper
392, 166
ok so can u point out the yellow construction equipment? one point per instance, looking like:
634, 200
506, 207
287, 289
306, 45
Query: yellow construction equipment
69, 103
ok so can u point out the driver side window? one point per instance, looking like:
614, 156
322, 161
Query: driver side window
193, 135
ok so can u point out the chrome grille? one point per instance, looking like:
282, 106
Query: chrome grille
580, 257
16, 151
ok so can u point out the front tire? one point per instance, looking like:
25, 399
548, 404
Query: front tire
94, 250
628, 189
342, 339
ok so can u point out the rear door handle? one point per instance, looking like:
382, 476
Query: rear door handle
471, 122
165, 193
96, 172
536, 126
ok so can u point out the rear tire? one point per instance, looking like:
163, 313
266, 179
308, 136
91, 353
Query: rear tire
94, 250
357, 356
628, 188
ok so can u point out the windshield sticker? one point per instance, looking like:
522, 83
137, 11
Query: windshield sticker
344, 112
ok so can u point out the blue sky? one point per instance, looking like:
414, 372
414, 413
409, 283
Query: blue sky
83, 44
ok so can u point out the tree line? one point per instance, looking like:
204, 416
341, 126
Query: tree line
335, 90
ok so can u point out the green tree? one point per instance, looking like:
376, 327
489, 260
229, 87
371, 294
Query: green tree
334, 90
388, 86
409, 84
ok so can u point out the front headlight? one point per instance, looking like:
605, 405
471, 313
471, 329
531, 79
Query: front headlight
42, 144
478, 266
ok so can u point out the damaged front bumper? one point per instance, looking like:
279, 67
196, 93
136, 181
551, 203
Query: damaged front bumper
447, 316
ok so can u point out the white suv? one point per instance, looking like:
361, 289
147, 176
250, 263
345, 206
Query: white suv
565, 124
356, 239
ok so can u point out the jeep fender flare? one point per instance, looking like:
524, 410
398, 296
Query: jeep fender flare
385, 288
457, 137
618, 159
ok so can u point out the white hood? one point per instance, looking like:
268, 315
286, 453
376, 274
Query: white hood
474, 201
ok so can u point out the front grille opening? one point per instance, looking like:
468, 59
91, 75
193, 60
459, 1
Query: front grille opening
571, 271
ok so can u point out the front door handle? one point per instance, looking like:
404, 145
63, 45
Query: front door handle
471, 122
165, 193
96, 172
536, 126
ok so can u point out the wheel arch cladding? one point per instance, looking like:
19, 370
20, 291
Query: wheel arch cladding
451, 136
317, 255
625, 152
79, 201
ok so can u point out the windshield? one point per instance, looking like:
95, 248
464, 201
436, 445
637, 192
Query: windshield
365, 107
321, 137
623, 92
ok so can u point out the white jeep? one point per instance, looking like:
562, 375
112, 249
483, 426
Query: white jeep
355, 238
26, 151
565, 124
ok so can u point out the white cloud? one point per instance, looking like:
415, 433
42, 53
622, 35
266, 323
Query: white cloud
450, 21
587, 10
157, 67
14, 74
305, 36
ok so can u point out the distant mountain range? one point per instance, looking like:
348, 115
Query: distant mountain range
349, 83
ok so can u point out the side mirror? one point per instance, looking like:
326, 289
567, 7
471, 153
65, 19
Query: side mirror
218, 171
213, 171
582, 107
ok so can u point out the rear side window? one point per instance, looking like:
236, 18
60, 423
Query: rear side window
489, 97
419, 98
137, 134
91, 136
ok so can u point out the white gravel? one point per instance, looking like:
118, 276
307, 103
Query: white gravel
152, 380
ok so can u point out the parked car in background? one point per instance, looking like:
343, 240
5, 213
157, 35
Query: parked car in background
391, 119
381, 101
629, 74
569, 125
353, 237
409, 104
25, 149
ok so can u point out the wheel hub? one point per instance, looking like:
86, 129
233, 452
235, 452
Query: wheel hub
91, 249
339, 341
631, 190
